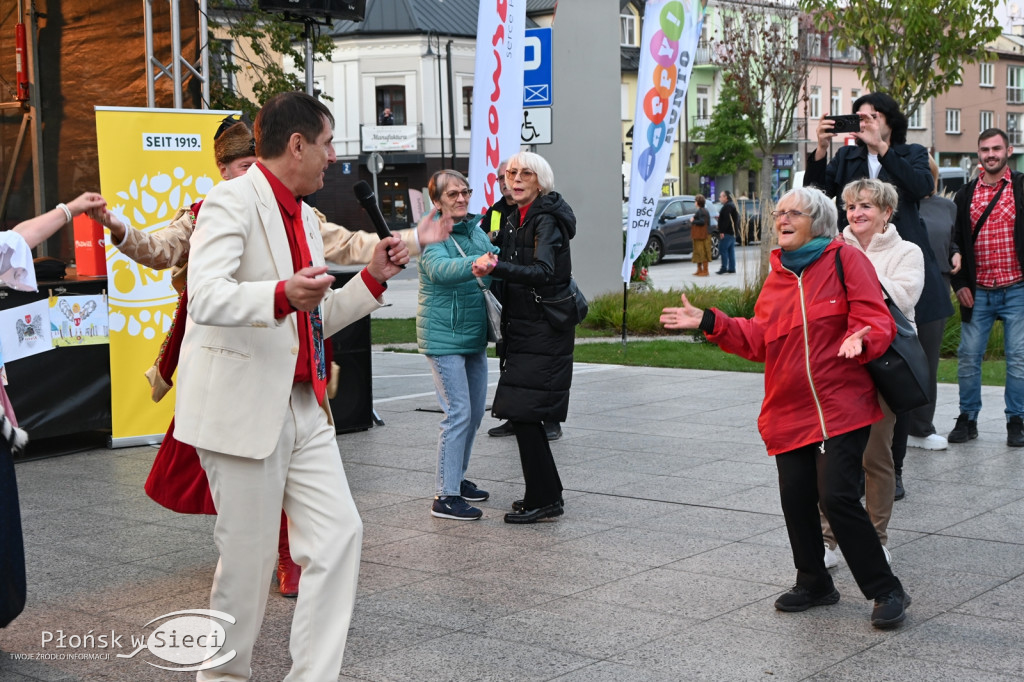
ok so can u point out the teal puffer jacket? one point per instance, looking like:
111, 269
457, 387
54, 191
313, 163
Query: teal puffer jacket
451, 319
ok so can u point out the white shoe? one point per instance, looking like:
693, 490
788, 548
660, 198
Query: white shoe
888, 557
932, 442
831, 560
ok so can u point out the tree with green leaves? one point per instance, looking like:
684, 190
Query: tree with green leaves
760, 57
255, 49
727, 139
912, 50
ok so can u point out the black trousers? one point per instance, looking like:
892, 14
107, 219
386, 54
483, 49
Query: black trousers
919, 421
806, 475
543, 486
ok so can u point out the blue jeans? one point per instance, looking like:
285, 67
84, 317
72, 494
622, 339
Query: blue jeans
1007, 305
727, 247
461, 383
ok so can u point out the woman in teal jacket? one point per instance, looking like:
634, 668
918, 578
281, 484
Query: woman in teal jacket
451, 328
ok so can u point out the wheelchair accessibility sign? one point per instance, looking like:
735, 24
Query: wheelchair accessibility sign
536, 128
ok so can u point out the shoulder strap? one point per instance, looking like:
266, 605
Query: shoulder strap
479, 282
988, 210
839, 269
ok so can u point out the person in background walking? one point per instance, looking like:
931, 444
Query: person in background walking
700, 233
728, 225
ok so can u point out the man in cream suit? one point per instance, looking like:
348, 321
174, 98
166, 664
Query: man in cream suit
251, 385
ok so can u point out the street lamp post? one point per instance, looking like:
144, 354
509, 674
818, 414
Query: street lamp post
433, 37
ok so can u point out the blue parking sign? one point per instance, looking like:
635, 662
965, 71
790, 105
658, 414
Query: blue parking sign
537, 68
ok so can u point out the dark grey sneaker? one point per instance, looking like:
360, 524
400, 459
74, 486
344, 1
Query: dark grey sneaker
471, 493
890, 609
966, 429
1015, 432
454, 507
800, 599
501, 431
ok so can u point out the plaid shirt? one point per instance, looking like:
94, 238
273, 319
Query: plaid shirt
994, 253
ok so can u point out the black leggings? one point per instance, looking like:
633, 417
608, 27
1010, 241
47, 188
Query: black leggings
543, 486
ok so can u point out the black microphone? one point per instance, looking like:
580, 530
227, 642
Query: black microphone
368, 201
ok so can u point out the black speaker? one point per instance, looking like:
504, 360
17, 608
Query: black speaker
352, 407
353, 10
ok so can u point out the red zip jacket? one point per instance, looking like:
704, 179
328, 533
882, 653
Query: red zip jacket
811, 393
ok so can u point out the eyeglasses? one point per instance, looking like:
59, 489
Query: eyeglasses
792, 215
525, 173
454, 194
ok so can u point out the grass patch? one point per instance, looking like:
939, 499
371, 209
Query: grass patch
605, 321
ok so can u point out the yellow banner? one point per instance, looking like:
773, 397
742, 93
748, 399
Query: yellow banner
152, 162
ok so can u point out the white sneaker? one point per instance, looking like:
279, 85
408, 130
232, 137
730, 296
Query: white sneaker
831, 560
932, 442
888, 557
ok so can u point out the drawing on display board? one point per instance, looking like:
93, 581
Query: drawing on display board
25, 330
79, 320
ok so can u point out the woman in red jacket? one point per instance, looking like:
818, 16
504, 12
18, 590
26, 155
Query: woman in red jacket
820, 402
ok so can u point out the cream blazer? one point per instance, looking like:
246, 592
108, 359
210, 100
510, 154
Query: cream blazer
238, 361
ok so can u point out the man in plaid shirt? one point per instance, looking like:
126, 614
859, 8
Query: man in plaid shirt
989, 233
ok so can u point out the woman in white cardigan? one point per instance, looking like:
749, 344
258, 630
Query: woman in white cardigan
899, 264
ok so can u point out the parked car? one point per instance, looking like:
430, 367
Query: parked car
670, 231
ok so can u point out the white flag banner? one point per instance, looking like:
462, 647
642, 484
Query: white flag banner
667, 53
497, 96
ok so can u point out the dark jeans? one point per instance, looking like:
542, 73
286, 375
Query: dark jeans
543, 486
807, 474
919, 421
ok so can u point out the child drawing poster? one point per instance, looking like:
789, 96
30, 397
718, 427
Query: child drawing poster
79, 320
25, 330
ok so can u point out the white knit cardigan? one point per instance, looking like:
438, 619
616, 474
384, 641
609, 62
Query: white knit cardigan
899, 265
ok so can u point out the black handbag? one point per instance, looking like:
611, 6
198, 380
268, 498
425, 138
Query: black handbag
566, 309
901, 372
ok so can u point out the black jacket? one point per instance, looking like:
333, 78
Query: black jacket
728, 219
963, 235
905, 167
536, 359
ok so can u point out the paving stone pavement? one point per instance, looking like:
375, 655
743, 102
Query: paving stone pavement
664, 567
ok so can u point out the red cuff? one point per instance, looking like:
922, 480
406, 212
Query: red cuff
282, 308
375, 287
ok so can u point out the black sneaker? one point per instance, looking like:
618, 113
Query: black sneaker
501, 431
553, 430
890, 609
900, 490
966, 429
471, 493
1015, 432
800, 599
454, 507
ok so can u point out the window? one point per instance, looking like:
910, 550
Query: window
1014, 129
987, 75
836, 105
392, 97
1015, 85
986, 121
915, 120
467, 107
813, 45
627, 29
703, 106
814, 103
854, 96
222, 64
952, 121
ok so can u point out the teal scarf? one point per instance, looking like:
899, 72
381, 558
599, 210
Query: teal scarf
808, 253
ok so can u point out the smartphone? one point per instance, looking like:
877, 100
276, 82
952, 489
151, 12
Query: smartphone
846, 123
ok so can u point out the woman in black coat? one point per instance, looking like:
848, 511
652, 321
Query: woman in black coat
534, 267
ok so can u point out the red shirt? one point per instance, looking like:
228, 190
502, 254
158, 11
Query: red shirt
994, 251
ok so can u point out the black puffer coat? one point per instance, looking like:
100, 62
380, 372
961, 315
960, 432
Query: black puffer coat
536, 358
